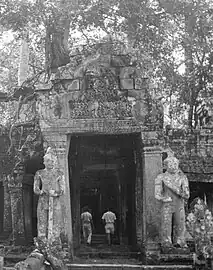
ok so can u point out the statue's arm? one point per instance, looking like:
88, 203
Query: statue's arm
61, 183
159, 188
185, 188
37, 182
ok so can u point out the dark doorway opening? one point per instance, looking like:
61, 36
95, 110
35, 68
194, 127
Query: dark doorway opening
103, 175
1, 206
203, 191
99, 191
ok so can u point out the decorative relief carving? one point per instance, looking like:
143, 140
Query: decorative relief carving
51, 110
99, 98
96, 109
27, 111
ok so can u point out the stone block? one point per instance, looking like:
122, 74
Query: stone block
117, 62
64, 72
73, 96
127, 83
107, 267
123, 93
136, 94
141, 83
208, 169
132, 267
79, 266
73, 85
127, 267
167, 267
45, 87
1, 262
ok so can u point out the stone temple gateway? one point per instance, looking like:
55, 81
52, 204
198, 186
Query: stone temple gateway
106, 135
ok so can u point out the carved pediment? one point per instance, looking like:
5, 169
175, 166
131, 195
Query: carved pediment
99, 89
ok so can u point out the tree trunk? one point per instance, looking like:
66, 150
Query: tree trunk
57, 35
190, 79
23, 63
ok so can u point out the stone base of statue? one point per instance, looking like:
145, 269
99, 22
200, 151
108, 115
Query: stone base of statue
52, 253
174, 250
44, 257
35, 260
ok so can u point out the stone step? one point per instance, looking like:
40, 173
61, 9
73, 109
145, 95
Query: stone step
12, 259
98, 239
109, 255
101, 239
176, 258
4, 236
96, 235
122, 267
127, 267
122, 260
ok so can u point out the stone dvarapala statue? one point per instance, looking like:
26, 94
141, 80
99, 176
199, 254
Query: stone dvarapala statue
172, 189
49, 184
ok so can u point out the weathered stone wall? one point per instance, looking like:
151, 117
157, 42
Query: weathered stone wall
19, 145
195, 151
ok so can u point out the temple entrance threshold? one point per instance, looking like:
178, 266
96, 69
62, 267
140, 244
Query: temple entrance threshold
103, 171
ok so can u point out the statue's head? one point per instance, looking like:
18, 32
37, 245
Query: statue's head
172, 164
50, 158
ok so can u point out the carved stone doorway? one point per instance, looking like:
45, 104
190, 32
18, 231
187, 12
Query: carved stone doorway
104, 171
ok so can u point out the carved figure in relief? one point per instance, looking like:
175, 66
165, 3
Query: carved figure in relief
49, 184
172, 189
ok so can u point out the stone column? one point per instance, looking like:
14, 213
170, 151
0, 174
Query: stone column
18, 228
7, 222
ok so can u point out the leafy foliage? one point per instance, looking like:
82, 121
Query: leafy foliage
200, 225
171, 41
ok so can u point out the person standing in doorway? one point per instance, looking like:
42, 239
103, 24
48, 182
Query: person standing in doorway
109, 219
87, 225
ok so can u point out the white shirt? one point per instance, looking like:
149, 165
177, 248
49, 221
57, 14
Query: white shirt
86, 217
109, 217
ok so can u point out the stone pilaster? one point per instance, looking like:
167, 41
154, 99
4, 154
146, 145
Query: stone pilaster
60, 143
7, 222
152, 165
139, 198
18, 228
60, 148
